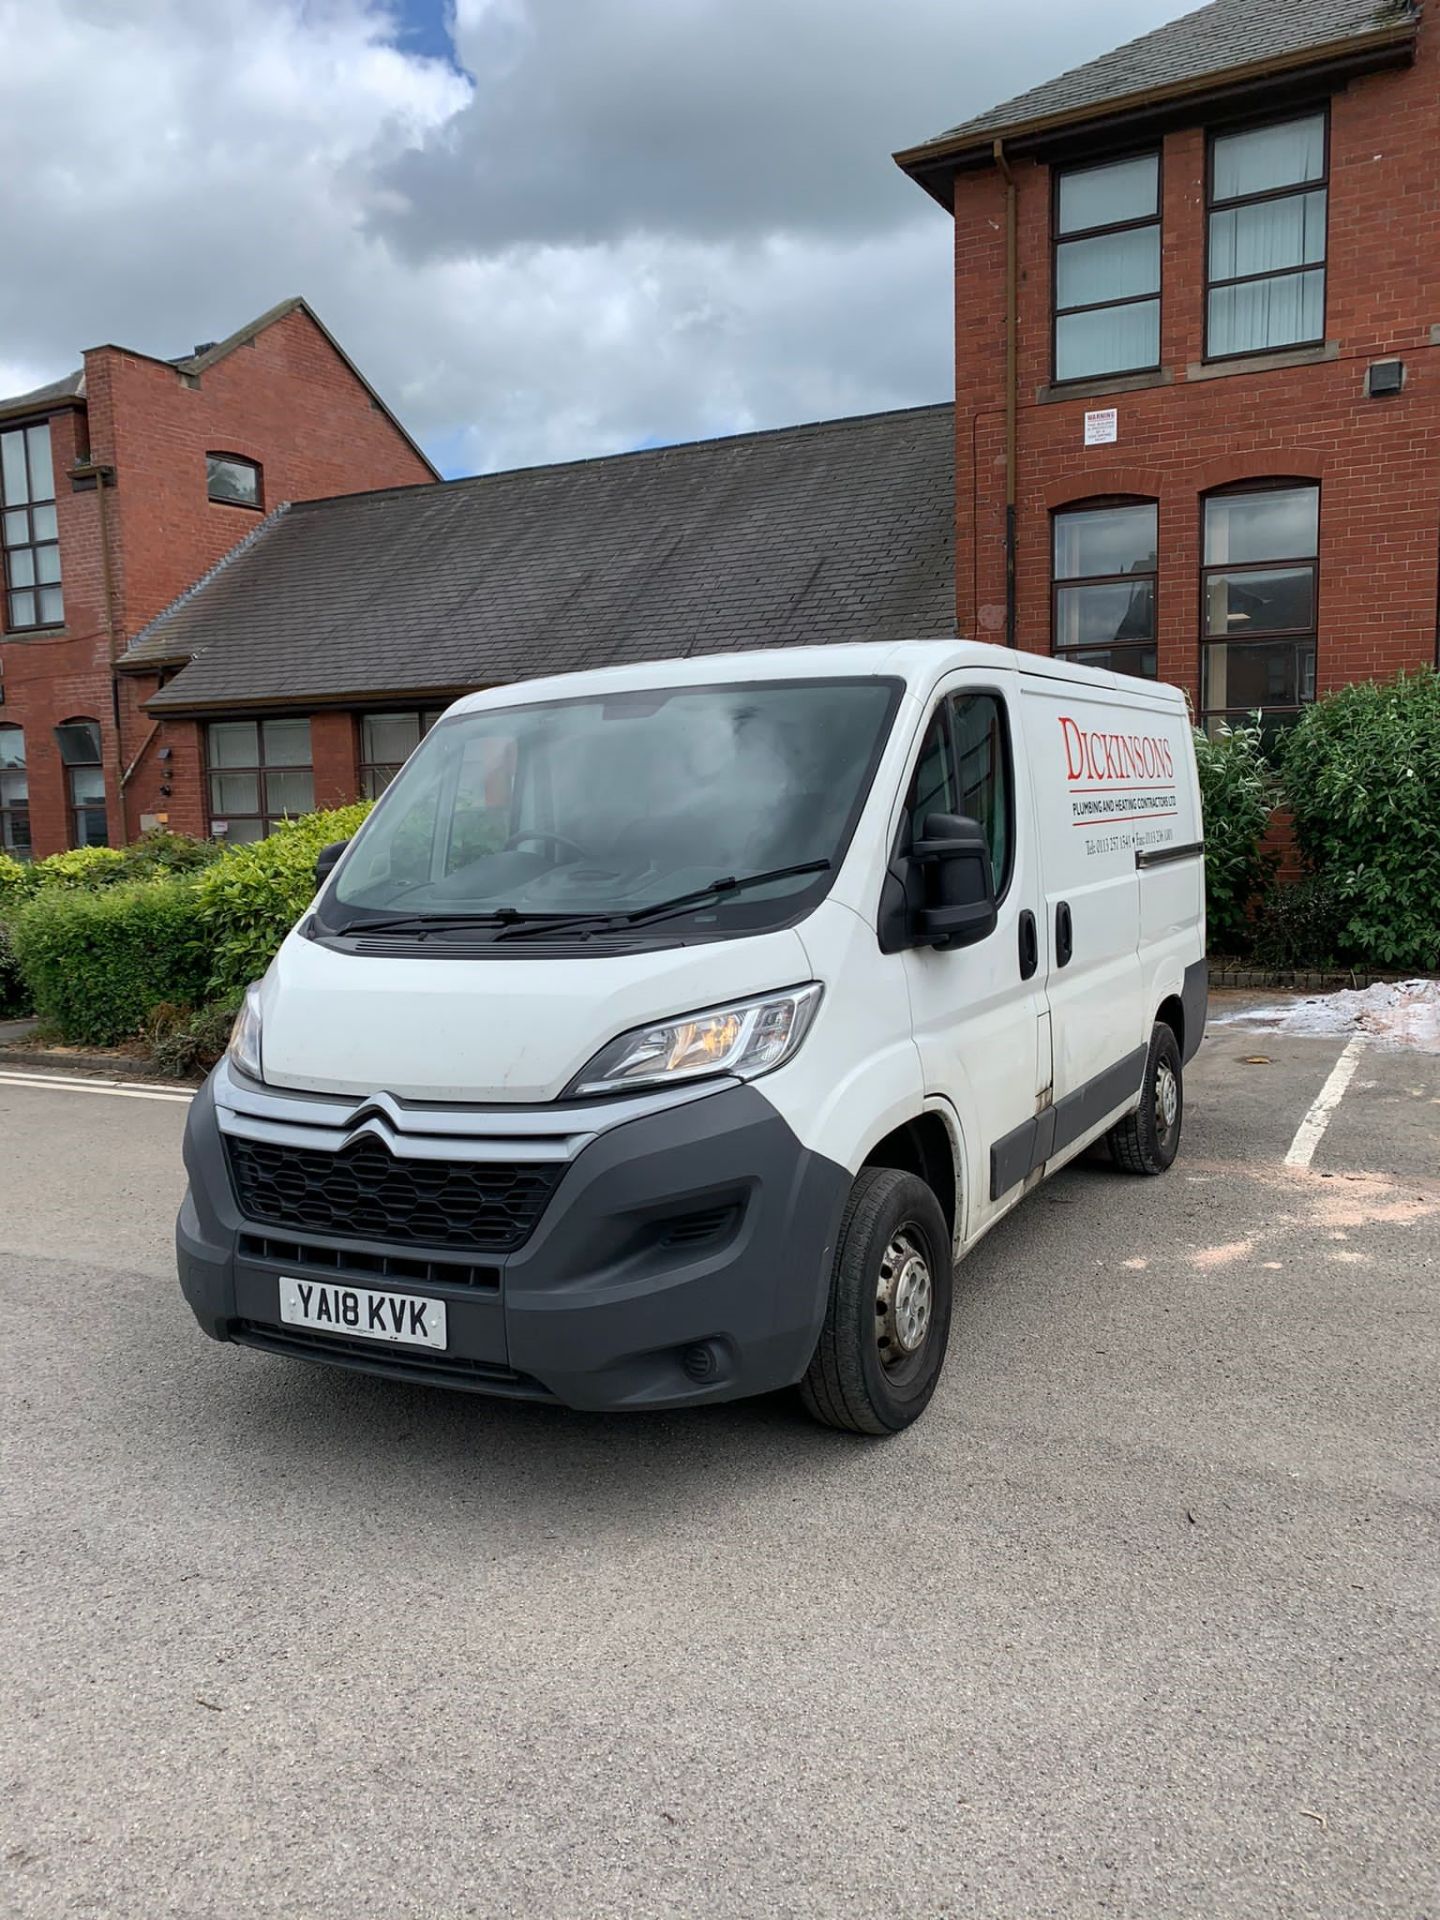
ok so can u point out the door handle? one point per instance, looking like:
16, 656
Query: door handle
1029, 944
1064, 934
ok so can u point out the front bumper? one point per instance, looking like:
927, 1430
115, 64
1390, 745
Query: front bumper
706, 1229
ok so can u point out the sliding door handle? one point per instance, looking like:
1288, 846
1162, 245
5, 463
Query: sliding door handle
1064, 934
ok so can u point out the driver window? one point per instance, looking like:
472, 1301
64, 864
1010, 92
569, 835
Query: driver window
982, 757
933, 788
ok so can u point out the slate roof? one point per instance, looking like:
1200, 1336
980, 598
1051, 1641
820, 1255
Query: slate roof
837, 531
1206, 44
71, 387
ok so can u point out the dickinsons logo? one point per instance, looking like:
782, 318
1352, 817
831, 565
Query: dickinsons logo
1114, 756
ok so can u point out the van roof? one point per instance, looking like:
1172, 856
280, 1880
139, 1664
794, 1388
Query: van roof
919, 663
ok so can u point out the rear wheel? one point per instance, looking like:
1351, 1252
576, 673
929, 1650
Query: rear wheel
887, 1326
1149, 1139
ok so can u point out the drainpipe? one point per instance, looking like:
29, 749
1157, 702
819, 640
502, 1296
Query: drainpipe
1011, 384
104, 477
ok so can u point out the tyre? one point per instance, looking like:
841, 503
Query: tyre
887, 1326
1149, 1139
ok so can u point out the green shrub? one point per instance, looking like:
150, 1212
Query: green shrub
162, 852
250, 899
183, 1043
1361, 777
81, 867
17, 883
1300, 923
95, 963
1237, 792
14, 994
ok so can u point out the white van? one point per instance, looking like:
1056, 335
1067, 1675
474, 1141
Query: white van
669, 1031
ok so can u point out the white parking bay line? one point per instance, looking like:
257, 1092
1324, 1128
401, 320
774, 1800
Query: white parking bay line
1311, 1130
111, 1089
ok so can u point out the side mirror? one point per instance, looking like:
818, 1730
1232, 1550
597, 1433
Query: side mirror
953, 855
326, 859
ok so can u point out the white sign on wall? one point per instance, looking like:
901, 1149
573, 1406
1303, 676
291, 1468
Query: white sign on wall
1102, 428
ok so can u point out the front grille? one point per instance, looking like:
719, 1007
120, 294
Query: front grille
347, 1263
406, 1363
369, 1193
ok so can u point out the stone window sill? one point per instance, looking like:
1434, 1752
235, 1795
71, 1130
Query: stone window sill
1263, 362
1096, 389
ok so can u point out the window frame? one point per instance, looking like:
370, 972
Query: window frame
1058, 239
1076, 656
11, 810
257, 505
27, 506
1214, 206
1293, 636
428, 718
261, 769
75, 807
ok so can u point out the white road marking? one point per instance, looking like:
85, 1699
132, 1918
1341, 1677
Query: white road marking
73, 1083
1311, 1130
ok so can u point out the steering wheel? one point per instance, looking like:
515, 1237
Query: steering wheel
550, 839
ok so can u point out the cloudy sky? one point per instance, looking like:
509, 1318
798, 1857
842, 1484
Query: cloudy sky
545, 228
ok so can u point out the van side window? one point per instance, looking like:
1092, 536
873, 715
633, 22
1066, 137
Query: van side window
933, 788
984, 780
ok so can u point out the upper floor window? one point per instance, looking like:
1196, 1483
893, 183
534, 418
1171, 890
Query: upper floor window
1259, 596
1107, 268
260, 774
14, 795
1266, 254
233, 480
29, 533
387, 742
79, 744
1106, 566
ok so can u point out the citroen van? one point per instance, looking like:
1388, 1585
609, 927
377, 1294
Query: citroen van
669, 1031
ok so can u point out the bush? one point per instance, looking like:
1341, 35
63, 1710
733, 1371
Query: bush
81, 867
1300, 924
96, 963
184, 1043
14, 994
1361, 777
1237, 793
161, 852
17, 883
250, 899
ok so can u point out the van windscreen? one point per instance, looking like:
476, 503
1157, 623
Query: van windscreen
609, 805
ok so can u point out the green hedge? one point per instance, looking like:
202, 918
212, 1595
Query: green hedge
1361, 777
1237, 794
250, 900
97, 962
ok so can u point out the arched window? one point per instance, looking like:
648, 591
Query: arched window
79, 744
14, 795
1106, 571
1259, 600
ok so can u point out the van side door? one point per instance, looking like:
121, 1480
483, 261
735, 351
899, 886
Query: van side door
1102, 782
979, 1012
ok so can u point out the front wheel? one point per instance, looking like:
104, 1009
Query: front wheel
887, 1326
1148, 1140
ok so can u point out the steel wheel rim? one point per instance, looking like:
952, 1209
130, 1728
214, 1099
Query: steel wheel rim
1167, 1096
904, 1299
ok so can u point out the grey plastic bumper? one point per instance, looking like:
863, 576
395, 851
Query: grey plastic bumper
707, 1226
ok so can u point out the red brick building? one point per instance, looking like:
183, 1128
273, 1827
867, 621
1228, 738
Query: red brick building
1197, 312
120, 486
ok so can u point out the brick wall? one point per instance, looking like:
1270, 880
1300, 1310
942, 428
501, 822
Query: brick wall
1375, 459
287, 401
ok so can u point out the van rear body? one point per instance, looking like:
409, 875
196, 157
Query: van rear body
669, 1031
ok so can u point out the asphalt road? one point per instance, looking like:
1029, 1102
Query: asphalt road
1140, 1621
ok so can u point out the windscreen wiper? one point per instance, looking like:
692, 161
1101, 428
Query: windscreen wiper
659, 909
431, 922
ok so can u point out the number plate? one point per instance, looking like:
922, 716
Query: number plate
404, 1319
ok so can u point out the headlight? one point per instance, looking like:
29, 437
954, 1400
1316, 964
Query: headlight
749, 1037
244, 1046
